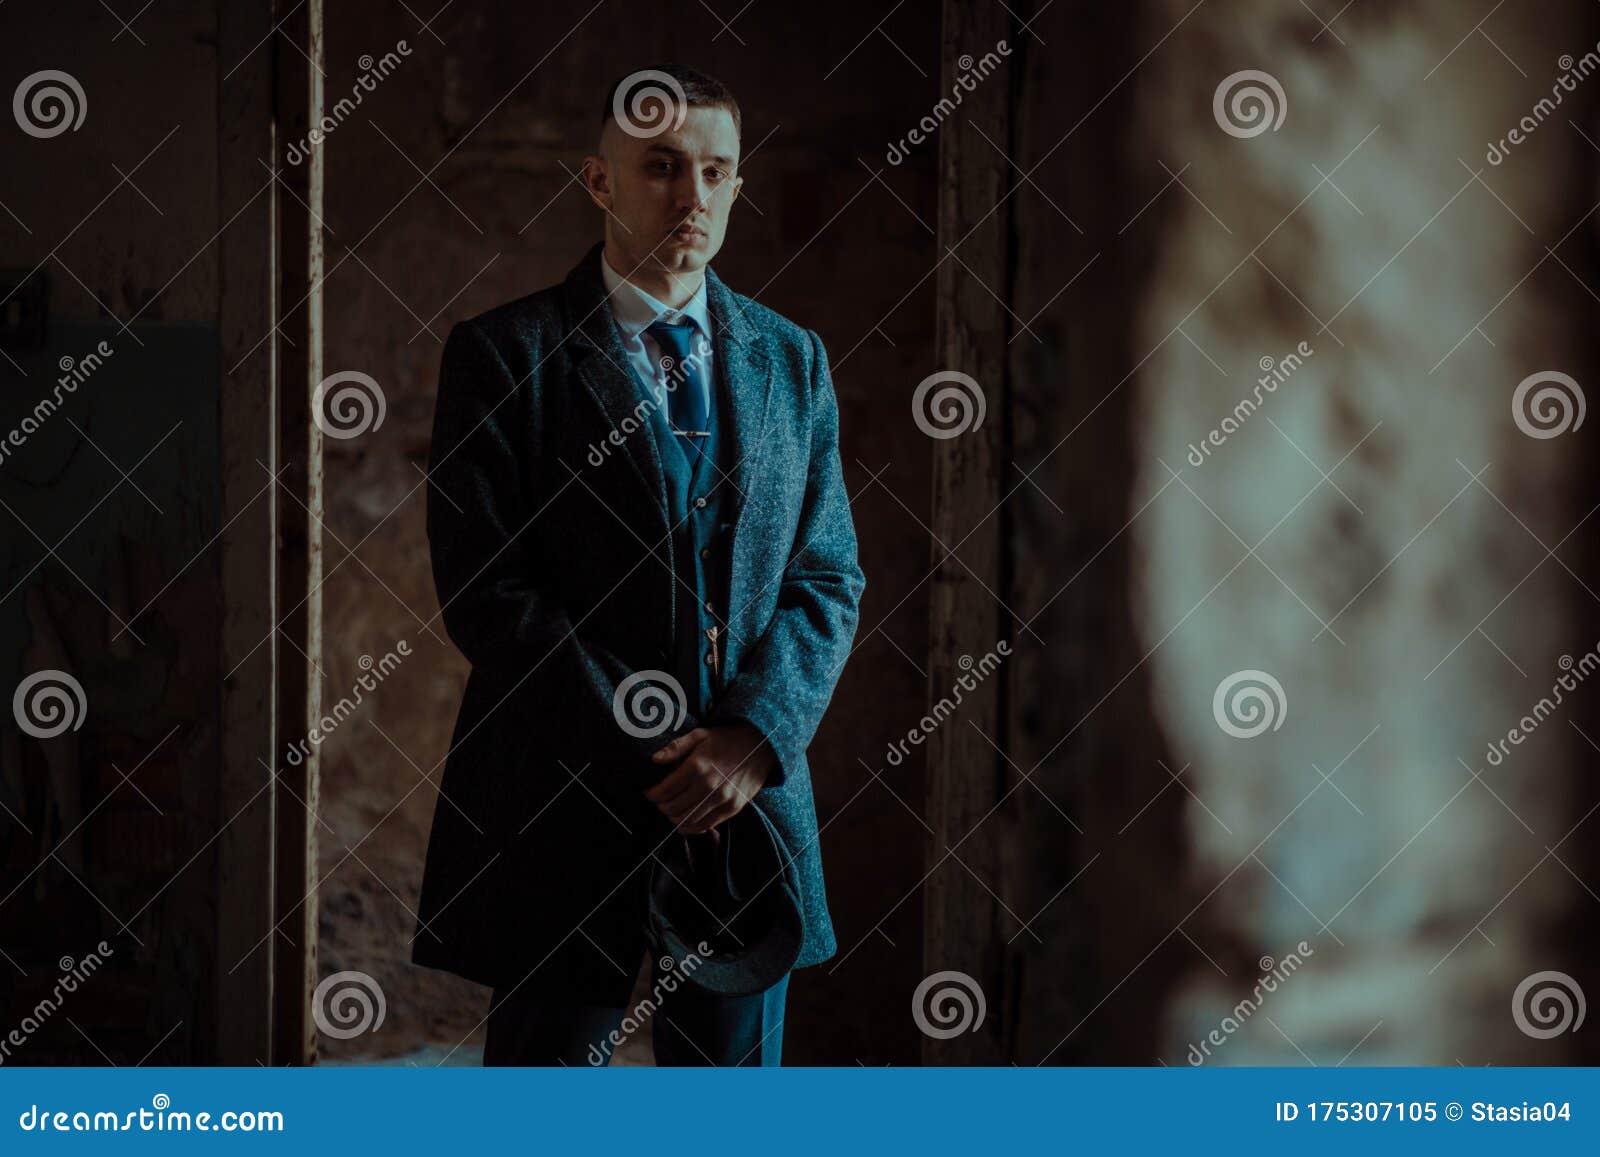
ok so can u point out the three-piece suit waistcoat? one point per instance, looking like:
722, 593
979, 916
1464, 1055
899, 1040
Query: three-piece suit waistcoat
699, 513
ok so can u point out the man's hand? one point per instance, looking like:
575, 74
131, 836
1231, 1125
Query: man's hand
722, 768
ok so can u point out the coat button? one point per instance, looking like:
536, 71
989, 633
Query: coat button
705, 552
711, 657
700, 502
709, 607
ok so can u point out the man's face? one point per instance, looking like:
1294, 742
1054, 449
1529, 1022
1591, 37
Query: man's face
667, 197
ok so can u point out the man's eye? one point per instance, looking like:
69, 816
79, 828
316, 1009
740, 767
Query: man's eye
715, 174
662, 167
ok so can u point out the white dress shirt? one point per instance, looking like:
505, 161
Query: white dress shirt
635, 311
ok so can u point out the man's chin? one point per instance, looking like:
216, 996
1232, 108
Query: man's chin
683, 257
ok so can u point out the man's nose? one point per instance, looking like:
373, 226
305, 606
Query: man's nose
694, 194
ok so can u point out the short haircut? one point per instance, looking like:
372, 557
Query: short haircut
700, 90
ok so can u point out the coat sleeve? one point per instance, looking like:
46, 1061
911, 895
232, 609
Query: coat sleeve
787, 678
495, 607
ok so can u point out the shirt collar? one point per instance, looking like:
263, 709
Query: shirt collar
636, 310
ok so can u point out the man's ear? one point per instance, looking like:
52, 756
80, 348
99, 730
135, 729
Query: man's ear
738, 183
597, 182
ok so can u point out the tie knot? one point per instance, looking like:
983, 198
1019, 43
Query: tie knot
672, 336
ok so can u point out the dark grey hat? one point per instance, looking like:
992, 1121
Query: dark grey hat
738, 893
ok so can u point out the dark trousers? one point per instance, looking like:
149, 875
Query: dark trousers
531, 1025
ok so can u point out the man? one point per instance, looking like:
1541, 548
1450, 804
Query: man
642, 543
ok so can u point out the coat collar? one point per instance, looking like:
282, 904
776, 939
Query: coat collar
741, 365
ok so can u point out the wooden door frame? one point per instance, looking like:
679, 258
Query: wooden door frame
270, 355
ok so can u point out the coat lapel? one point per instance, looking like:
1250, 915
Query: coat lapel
745, 373
602, 366
742, 368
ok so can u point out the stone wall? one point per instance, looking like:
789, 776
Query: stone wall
1347, 575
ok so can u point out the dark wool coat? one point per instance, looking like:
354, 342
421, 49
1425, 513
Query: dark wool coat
551, 549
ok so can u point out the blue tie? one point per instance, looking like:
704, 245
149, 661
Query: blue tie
687, 396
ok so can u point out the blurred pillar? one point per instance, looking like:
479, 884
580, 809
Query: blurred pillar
1347, 574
